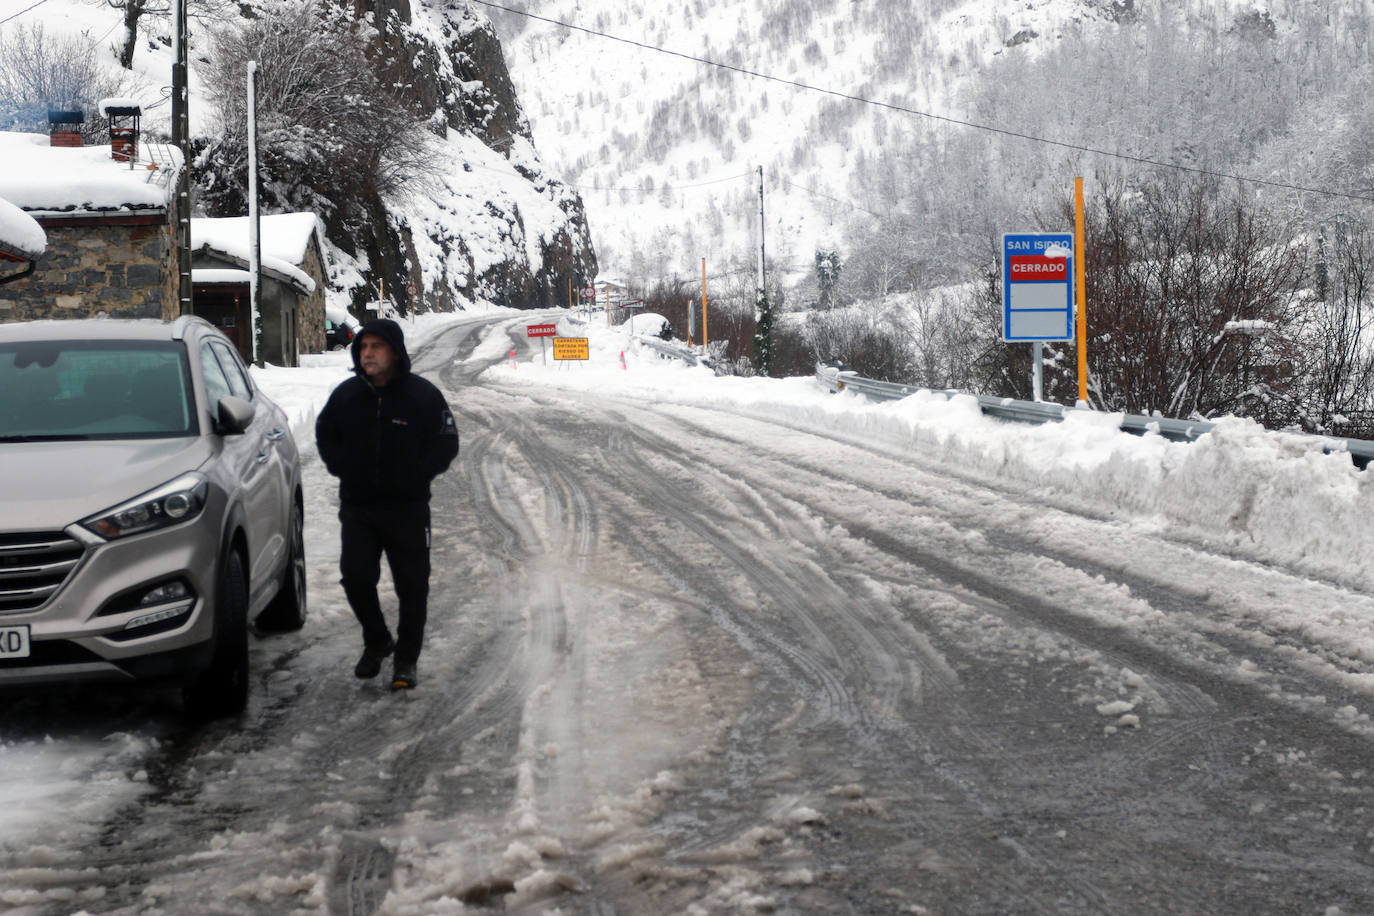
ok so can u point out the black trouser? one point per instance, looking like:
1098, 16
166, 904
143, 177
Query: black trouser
401, 531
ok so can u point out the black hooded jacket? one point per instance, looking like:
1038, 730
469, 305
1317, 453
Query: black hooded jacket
386, 444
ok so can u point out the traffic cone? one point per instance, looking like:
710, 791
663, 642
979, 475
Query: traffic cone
622, 360
512, 359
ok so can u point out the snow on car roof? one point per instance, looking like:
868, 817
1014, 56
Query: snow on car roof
87, 329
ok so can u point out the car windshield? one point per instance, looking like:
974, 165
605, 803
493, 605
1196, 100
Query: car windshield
94, 389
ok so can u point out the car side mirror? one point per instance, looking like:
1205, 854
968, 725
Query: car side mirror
233, 415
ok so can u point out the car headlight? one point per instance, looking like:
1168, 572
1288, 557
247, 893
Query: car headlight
170, 504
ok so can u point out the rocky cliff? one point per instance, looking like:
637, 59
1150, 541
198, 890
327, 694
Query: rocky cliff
492, 225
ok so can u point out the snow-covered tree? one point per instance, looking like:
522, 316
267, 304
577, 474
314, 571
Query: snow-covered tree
39, 71
828, 270
334, 128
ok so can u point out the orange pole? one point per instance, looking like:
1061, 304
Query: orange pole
1080, 272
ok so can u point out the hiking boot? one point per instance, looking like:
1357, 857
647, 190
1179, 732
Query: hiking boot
403, 677
370, 665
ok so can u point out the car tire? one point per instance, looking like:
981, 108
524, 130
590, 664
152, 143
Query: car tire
285, 613
222, 689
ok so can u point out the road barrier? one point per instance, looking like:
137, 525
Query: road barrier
670, 349
836, 379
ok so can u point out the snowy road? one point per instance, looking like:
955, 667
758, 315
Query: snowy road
687, 659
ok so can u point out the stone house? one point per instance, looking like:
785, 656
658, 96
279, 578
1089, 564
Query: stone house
293, 275
108, 221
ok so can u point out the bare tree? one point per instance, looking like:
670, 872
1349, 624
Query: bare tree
334, 126
133, 11
1338, 363
1193, 303
39, 71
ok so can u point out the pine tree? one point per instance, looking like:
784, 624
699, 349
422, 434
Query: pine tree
763, 333
828, 268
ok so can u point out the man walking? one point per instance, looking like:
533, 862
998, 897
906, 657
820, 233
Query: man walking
386, 433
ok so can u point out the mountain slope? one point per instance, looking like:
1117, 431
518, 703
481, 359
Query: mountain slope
1205, 84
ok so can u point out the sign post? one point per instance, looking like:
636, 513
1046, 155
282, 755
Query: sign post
1081, 284
1037, 293
574, 348
542, 331
589, 300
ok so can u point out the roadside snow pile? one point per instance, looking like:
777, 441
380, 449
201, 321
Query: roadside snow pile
301, 392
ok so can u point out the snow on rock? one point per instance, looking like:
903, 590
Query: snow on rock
487, 210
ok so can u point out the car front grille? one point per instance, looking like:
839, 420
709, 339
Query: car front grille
33, 567
52, 652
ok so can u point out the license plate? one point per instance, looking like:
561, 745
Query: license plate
14, 642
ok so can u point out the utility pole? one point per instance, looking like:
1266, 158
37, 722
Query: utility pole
763, 311
254, 217
705, 337
763, 284
181, 136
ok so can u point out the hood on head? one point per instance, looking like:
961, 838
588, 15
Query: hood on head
389, 331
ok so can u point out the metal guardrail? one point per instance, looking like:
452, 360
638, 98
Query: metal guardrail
1361, 451
667, 348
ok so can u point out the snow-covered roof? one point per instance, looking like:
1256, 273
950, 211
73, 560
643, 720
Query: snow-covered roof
105, 105
285, 240
20, 234
41, 178
211, 276
284, 236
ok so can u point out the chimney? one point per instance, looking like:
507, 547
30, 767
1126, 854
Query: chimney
124, 115
64, 127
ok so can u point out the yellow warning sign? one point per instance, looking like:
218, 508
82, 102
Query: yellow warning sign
570, 348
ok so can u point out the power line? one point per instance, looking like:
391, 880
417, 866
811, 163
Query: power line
22, 12
847, 203
668, 187
1139, 160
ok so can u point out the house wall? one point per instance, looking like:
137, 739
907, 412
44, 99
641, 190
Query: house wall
124, 267
310, 311
276, 311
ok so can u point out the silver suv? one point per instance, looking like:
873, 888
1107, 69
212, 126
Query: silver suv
151, 506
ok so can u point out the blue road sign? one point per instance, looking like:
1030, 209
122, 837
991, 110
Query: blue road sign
1037, 286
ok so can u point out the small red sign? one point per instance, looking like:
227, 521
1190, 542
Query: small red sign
541, 330
1029, 268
